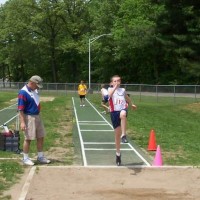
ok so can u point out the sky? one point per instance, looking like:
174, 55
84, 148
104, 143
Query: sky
2, 1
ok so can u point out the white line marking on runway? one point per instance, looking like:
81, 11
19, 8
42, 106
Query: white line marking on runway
9, 107
105, 120
99, 114
83, 124
102, 149
147, 163
82, 130
27, 184
91, 121
137, 153
99, 143
117, 167
10, 120
80, 136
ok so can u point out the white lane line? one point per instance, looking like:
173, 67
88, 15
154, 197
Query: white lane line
100, 114
99, 143
9, 107
104, 143
84, 124
137, 153
121, 167
10, 120
80, 136
91, 121
82, 130
27, 184
103, 149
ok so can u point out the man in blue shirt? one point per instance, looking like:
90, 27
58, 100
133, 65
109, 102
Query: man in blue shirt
30, 121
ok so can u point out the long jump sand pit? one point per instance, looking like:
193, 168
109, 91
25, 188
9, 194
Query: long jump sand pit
85, 183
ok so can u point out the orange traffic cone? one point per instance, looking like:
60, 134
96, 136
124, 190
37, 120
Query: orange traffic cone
152, 141
158, 157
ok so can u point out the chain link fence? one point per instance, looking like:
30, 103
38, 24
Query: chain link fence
140, 92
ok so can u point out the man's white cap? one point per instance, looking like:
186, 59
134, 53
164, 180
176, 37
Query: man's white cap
37, 79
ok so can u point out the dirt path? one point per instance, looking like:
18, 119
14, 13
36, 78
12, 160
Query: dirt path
61, 183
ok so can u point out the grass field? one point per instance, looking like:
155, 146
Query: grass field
176, 125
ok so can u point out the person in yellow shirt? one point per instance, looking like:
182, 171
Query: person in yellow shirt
82, 91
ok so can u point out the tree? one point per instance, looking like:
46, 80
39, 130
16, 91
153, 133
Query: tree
152, 41
104, 14
134, 34
74, 44
179, 37
17, 38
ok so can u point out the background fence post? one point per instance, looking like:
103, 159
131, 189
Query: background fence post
156, 93
140, 93
174, 94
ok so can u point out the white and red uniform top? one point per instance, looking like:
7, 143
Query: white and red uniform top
117, 102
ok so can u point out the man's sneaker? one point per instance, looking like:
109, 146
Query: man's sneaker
104, 112
43, 160
123, 139
83, 105
28, 161
118, 160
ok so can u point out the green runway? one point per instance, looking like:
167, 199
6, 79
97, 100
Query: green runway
8, 115
96, 137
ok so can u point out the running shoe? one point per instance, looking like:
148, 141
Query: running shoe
124, 139
118, 160
43, 160
28, 161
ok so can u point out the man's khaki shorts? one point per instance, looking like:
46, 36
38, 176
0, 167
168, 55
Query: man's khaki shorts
34, 127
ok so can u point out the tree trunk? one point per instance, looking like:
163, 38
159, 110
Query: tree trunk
53, 60
3, 73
